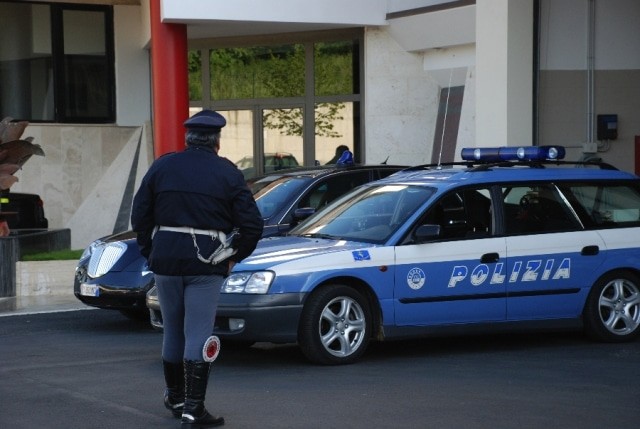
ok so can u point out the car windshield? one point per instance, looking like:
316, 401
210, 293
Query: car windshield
272, 193
368, 214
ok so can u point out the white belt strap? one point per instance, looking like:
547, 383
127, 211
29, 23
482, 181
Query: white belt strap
189, 230
223, 251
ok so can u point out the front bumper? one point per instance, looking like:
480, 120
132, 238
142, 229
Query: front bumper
250, 318
110, 296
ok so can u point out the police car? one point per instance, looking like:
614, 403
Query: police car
509, 238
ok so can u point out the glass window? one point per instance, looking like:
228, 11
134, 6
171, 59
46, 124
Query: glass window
328, 190
303, 90
462, 214
537, 208
335, 130
336, 68
608, 205
257, 72
86, 66
26, 62
370, 214
56, 62
236, 141
195, 75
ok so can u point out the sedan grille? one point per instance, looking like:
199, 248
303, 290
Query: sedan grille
104, 257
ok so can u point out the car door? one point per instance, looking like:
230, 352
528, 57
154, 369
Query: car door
549, 254
459, 276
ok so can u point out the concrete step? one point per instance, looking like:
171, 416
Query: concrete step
36, 278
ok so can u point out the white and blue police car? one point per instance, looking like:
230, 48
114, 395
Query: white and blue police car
509, 238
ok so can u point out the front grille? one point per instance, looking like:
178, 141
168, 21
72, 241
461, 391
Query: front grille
104, 257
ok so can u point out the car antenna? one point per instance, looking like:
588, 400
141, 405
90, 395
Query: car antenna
444, 120
385, 161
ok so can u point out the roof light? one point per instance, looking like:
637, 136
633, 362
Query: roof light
505, 153
346, 159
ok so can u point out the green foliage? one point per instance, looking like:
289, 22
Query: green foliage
58, 255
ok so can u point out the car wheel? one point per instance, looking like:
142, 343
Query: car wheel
612, 312
335, 326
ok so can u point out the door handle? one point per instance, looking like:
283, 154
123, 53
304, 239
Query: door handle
489, 258
590, 250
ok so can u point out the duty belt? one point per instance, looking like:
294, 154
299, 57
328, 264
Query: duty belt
223, 251
189, 230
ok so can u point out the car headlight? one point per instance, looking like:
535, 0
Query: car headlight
248, 282
90, 248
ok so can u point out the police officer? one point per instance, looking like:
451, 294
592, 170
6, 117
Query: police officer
188, 206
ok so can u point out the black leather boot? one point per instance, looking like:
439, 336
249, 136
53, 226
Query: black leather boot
195, 415
174, 393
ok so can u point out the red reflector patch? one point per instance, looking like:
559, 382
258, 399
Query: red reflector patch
211, 349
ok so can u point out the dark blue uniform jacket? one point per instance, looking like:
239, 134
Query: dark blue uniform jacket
194, 188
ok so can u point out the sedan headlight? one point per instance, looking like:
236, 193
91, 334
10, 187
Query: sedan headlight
248, 282
88, 251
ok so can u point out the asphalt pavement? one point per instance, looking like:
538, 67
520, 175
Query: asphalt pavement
97, 369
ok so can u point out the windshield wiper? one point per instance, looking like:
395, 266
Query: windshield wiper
316, 235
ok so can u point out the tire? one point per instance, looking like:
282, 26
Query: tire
612, 312
335, 326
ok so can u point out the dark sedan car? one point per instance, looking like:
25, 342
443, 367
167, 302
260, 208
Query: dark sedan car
112, 274
23, 211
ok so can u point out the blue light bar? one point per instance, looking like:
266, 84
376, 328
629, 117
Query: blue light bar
346, 159
508, 153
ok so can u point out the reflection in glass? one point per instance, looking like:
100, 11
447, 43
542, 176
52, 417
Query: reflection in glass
369, 214
26, 67
86, 65
257, 72
334, 130
336, 70
236, 142
195, 75
283, 143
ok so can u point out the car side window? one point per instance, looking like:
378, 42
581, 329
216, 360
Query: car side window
607, 204
328, 190
537, 208
462, 214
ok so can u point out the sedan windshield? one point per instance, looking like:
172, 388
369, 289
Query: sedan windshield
369, 214
272, 193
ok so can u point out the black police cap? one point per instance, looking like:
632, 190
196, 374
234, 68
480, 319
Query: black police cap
206, 121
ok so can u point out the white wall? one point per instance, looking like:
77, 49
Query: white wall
133, 73
401, 102
402, 5
564, 34
361, 12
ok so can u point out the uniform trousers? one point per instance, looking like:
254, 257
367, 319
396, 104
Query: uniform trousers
188, 305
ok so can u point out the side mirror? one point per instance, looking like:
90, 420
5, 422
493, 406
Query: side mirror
426, 232
301, 214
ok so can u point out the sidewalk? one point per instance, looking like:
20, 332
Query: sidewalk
40, 304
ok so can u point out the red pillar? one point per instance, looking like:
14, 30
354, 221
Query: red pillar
170, 88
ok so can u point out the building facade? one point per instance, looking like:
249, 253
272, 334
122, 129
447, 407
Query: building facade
402, 81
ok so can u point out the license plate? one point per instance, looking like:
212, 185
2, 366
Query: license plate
89, 290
